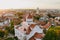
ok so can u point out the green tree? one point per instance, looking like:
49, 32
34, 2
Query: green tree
53, 33
11, 29
2, 33
10, 38
44, 30
50, 35
19, 14
51, 16
37, 17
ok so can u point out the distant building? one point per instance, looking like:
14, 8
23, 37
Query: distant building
44, 18
37, 11
57, 18
5, 23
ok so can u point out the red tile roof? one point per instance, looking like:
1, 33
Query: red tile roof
29, 28
38, 35
32, 25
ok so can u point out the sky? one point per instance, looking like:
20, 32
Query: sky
25, 4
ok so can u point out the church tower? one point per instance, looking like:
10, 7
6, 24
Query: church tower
29, 18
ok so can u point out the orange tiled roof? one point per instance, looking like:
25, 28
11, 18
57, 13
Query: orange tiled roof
32, 25
38, 35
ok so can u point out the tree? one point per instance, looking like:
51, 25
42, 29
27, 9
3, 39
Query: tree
51, 16
10, 38
37, 17
2, 33
44, 30
19, 14
6, 33
11, 29
50, 35
15, 38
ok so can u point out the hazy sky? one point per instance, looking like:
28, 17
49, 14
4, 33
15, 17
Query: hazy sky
42, 4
